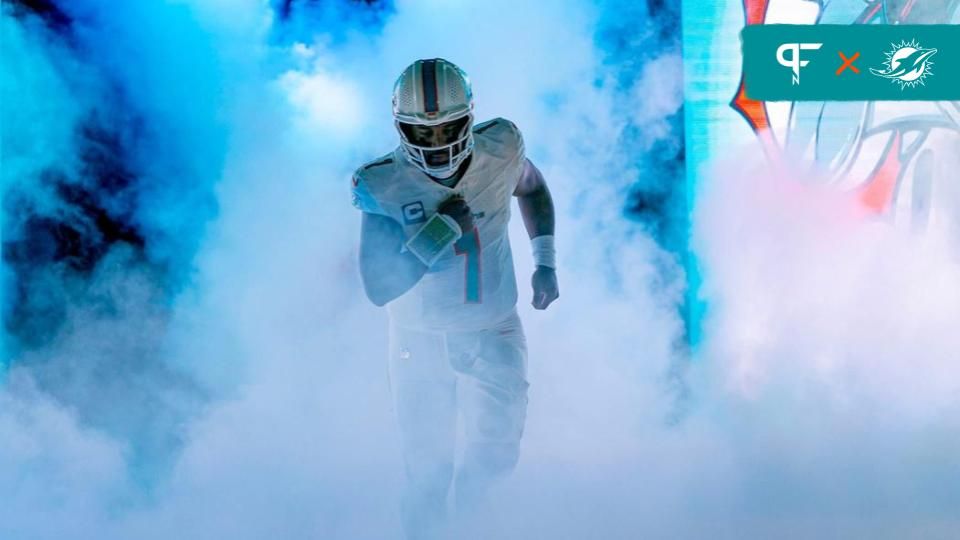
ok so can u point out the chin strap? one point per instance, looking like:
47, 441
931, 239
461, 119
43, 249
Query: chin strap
544, 252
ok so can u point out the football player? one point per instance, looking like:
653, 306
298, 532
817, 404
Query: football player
434, 248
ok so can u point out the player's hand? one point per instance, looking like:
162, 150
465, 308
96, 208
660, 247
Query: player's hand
457, 208
545, 288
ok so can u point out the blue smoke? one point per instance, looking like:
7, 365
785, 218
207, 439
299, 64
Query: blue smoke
112, 150
154, 151
641, 43
127, 148
189, 341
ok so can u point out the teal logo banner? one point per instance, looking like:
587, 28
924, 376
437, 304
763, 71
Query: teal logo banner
860, 62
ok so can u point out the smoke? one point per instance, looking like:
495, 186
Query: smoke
223, 376
832, 353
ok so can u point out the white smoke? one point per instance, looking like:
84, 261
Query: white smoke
824, 392
831, 357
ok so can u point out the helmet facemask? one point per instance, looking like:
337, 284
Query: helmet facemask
438, 160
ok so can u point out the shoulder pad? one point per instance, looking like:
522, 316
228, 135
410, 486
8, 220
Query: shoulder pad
361, 196
497, 125
377, 163
502, 133
368, 182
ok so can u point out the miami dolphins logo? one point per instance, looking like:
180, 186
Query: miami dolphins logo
907, 64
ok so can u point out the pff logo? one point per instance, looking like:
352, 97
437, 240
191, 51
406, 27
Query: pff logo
907, 64
795, 62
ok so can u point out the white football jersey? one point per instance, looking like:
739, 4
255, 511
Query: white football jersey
472, 285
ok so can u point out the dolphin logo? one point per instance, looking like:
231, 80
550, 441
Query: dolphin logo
908, 64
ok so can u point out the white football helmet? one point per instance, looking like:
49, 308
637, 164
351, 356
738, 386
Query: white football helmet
430, 93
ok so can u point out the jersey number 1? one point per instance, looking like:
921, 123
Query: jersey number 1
469, 245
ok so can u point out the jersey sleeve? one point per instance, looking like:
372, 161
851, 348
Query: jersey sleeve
361, 196
505, 138
518, 156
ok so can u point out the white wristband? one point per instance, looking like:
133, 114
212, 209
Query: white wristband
544, 254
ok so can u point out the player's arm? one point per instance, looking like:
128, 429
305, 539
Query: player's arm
536, 207
390, 263
386, 270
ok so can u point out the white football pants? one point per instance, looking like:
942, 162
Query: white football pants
433, 375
